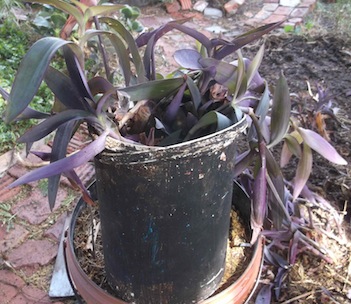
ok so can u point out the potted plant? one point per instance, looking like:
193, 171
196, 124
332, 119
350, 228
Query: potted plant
164, 148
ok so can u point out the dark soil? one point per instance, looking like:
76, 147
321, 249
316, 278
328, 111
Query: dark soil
325, 62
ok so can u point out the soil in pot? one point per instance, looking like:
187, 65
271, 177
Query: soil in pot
90, 254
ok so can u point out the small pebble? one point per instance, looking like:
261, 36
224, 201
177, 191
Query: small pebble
213, 12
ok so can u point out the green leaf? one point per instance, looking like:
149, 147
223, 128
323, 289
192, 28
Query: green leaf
303, 171
101, 10
209, 119
321, 146
31, 72
225, 72
120, 29
290, 147
239, 86
123, 54
255, 64
281, 110
194, 91
65, 7
156, 89
276, 190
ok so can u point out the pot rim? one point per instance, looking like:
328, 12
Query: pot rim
115, 146
92, 293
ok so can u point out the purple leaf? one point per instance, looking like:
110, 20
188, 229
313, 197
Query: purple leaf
244, 39
133, 48
4, 93
174, 106
211, 118
195, 93
63, 88
276, 192
264, 295
188, 58
281, 109
259, 201
243, 161
45, 156
99, 85
65, 164
152, 37
76, 73
303, 171
278, 281
293, 248
31, 72
59, 150
290, 147
275, 259
285, 155
30, 113
225, 72
76, 182
321, 146
52, 123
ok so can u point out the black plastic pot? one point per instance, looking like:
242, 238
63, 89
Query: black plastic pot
165, 216
238, 292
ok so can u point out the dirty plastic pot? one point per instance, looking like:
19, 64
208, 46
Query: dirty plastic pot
165, 214
238, 292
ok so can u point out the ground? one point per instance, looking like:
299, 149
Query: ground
325, 61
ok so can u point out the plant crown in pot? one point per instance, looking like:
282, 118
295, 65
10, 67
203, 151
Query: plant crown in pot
204, 95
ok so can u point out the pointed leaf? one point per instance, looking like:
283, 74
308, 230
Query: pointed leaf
152, 37
76, 73
264, 295
30, 74
52, 123
4, 93
30, 113
134, 51
77, 183
255, 64
65, 164
121, 50
243, 161
281, 111
239, 85
303, 171
195, 93
290, 147
99, 85
59, 150
174, 106
101, 10
210, 118
321, 146
244, 39
285, 155
63, 88
276, 191
155, 89
225, 72
259, 202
